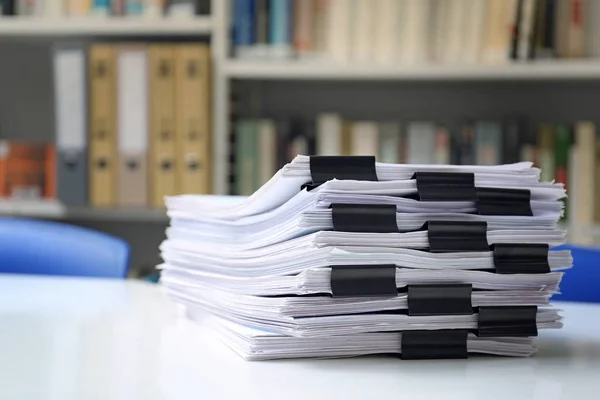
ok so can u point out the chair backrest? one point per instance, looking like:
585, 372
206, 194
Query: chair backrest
582, 282
29, 246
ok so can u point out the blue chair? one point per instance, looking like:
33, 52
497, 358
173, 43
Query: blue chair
29, 246
582, 282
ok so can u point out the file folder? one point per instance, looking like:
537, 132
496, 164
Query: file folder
132, 126
103, 120
162, 160
70, 99
193, 132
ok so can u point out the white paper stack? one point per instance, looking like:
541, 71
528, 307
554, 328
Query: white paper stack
342, 256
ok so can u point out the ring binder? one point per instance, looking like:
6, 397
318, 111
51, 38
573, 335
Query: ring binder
433, 345
495, 201
453, 236
326, 168
363, 280
507, 321
379, 218
445, 186
441, 299
521, 258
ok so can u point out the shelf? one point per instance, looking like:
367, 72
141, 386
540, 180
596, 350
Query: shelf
317, 70
50, 209
99, 26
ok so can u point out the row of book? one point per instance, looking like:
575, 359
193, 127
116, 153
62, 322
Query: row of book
389, 32
81, 8
262, 146
132, 126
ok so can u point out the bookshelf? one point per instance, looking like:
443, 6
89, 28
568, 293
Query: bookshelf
31, 26
49, 209
318, 70
306, 75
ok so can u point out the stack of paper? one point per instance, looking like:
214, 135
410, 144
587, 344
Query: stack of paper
342, 256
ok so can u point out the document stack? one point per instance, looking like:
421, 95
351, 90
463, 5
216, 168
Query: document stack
343, 256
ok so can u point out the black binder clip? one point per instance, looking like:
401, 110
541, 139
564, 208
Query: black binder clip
326, 168
453, 236
503, 321
433, 345
445, 186
363, 280
495, 201
364, 218
442, 299
521, 258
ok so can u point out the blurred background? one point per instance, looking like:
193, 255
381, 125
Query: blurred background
106, 106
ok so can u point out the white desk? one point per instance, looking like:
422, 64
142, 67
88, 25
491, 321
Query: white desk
70, 339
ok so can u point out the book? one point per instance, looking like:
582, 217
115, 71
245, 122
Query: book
98, 7
584, 163
576, 29
414, 31
389, 142
525, 41
284, 129
488, 143
243, 32
420, 142
246, 155
78, 8
27, 7
545, 152
385, 14
261, 27
266, 151
364, 138
463, 144
475, 28
22, 174
303, 27
442, 146
362, 31
514, 131
592, 25
329, 134
319, 27
545, 31
562, 16
7, 7
51, 8
339, 30
280, 41
155, 8
562, 148
500, 22
117, 7
134, 7
455, 31
438, 40
299, 142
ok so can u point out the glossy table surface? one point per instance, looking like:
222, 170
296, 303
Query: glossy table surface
68, 338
